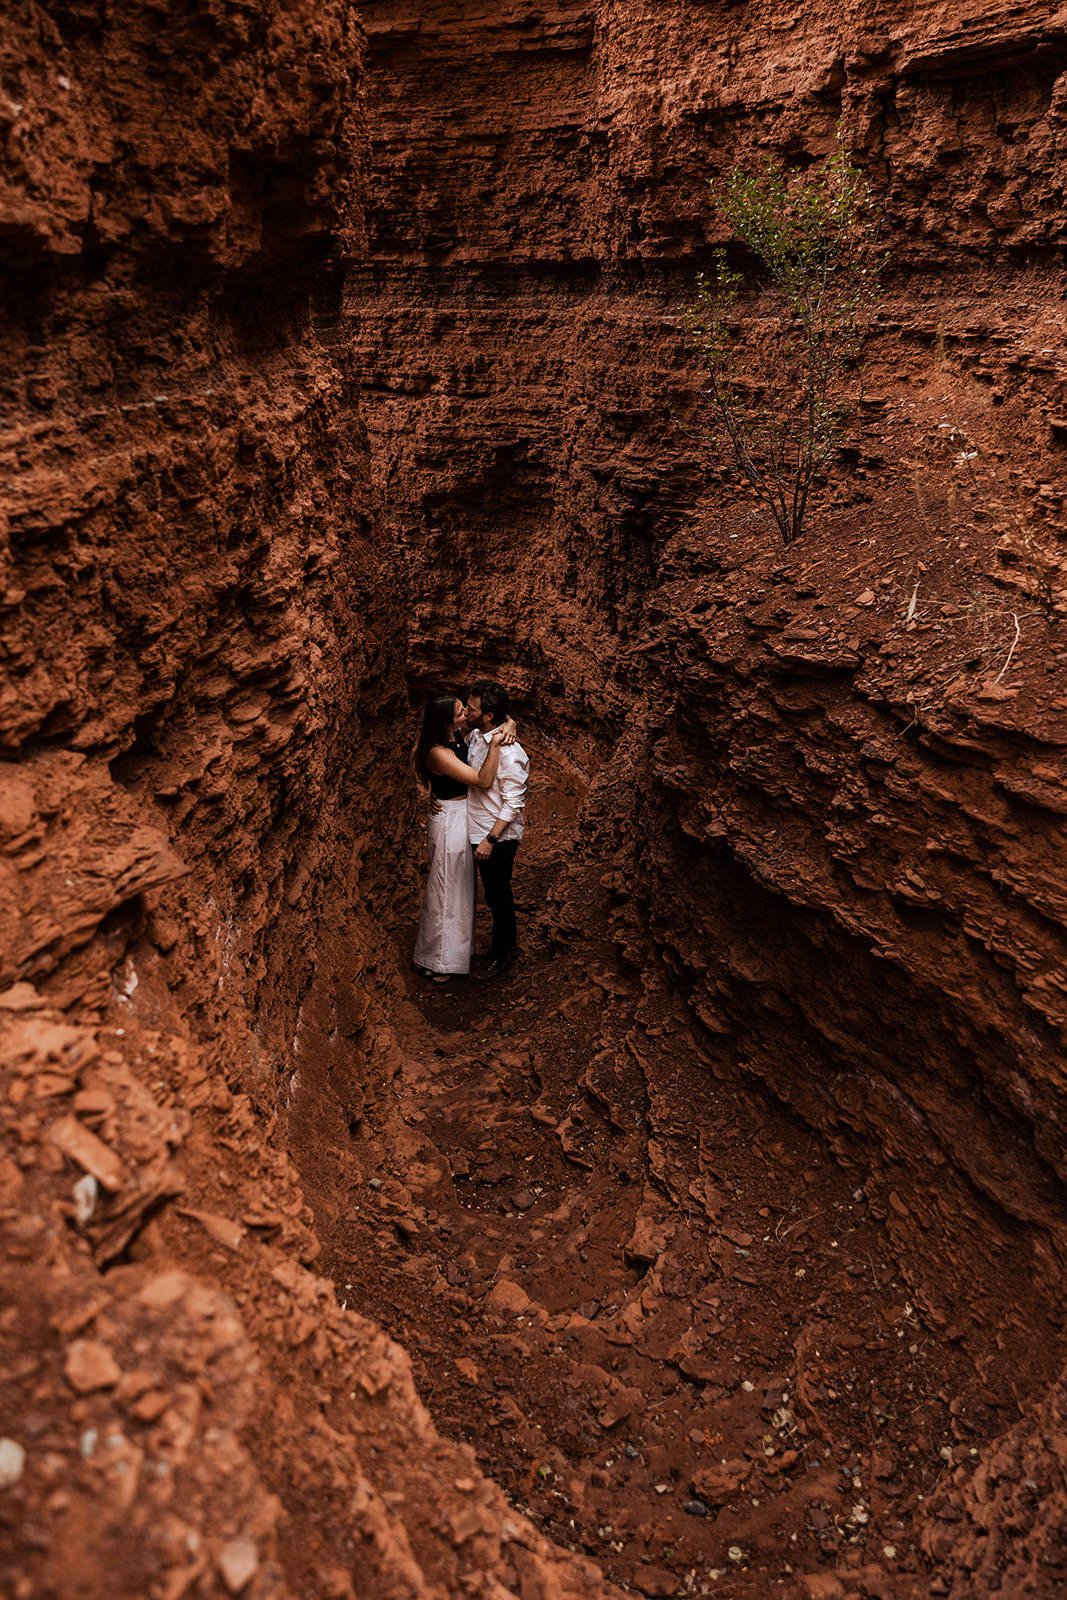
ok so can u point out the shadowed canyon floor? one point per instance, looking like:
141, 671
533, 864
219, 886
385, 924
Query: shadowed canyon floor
670, 1324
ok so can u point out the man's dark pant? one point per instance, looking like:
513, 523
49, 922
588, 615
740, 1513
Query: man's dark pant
496, 880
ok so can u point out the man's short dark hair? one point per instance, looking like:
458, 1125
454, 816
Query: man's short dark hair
493, 698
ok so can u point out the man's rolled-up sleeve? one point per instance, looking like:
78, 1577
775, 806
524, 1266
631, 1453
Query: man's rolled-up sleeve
513, 783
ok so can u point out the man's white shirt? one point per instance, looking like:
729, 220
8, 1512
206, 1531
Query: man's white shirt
505, 798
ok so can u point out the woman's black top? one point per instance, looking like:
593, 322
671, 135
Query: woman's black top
443, 788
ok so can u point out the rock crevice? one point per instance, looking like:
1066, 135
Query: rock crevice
344, 359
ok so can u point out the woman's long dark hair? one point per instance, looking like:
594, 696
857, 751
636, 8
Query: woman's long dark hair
437, 719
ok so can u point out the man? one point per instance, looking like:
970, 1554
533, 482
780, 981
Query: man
496, 818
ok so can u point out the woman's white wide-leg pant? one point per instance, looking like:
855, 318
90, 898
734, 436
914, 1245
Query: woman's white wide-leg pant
446, 927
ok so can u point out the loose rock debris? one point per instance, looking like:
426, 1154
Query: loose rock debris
691, 1351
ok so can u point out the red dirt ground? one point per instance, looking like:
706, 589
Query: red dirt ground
663, 1316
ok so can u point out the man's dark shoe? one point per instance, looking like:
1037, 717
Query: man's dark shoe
498, 966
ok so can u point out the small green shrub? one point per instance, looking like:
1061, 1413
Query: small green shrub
782, 343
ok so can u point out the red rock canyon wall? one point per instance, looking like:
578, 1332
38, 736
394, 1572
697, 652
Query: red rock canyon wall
808, 752
835, 815
331, 358
201, 654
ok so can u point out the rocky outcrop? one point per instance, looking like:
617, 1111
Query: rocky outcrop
304, 404
831, 786
201, 654
908, 1003
529, 417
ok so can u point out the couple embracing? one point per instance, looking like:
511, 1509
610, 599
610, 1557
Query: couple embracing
477, 773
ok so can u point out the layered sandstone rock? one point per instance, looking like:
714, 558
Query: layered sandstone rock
839, 785
828, 787
201, 649
526, 394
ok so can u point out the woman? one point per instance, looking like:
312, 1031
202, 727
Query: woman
446, 926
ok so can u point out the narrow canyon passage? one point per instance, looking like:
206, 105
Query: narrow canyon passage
721, 1247
669, 1324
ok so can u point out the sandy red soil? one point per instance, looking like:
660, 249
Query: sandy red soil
670, 1324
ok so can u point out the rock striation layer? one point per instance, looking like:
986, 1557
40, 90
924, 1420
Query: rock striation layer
522, 395
201, 654
831, 786
346, 353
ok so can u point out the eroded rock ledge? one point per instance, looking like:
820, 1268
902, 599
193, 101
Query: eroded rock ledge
201, 649
827, 747
830, 794
830, 827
